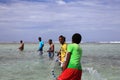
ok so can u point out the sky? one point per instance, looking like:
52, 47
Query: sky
95, 20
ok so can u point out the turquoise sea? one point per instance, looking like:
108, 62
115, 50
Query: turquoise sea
100, 61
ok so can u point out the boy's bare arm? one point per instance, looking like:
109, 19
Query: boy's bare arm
67, 61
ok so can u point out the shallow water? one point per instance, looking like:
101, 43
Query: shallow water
99, 61
103, 60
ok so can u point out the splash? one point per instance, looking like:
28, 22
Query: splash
91, 74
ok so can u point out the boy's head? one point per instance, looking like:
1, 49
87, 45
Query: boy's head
21, 41
62, 39
39, 38
76, 38
50, 41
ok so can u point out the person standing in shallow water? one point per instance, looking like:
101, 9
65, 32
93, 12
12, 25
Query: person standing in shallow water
51, 49
41, 45
21, 48
63, 50
72, 69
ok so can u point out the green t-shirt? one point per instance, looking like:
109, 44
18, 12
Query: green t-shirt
76, 54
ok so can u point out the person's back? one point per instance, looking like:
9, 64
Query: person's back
76, 54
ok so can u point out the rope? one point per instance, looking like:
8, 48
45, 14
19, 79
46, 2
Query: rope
53, 69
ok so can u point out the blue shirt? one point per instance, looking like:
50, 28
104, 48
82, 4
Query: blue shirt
41, 44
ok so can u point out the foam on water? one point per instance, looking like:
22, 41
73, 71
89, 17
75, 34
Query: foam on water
93, 74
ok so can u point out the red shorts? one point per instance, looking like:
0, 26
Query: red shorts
70, 74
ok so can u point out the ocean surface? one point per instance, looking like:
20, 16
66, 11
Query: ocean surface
100, 61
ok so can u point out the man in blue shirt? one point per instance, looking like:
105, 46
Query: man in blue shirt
41, 45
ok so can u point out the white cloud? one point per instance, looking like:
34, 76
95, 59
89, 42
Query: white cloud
58, 16
61, 2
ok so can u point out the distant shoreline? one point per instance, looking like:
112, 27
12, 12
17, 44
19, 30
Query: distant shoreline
111, 42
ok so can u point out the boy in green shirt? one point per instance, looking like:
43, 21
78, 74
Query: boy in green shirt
72, 69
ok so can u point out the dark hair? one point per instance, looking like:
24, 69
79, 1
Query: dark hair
50, 40
63, 37
76, 38
21, 41
39, 38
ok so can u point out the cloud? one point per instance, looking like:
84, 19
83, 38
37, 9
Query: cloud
34, 17
61, 2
